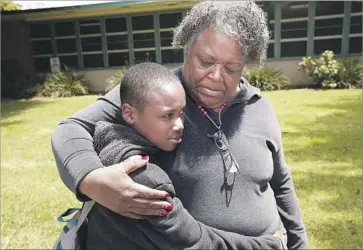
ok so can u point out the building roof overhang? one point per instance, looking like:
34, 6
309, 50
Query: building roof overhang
94, 10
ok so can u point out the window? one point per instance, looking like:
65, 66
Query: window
39, 30
294, 29
41, 46
142, 22
144, 56
93, 60
293, 49
144, 38
42, 64
327, 44
324, 8
356, 24
118, 59
91, 43
69, 61
64, 29
170, 20
117, 42
295, 9
167, 23
67, 45
270, 50
172, 56
116, 25
356, 6
355, 45
331, 26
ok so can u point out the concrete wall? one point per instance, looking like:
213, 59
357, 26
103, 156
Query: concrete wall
289, 67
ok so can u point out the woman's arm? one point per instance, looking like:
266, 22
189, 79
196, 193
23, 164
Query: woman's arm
81, 169
284, 190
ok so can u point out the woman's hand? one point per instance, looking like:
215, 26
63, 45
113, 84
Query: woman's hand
114, 189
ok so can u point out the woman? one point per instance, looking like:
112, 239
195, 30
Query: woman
230, 171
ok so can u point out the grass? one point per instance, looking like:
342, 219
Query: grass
322, 141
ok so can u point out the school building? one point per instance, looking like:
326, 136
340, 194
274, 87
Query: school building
98, 39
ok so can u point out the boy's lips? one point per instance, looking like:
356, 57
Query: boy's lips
176, 140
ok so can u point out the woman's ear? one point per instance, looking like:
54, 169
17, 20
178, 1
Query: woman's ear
128, 113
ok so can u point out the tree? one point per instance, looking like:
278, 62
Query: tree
7, 5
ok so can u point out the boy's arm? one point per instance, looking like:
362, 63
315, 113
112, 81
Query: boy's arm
179, 230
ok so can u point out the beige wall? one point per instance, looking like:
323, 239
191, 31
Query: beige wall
98, 78
289, 67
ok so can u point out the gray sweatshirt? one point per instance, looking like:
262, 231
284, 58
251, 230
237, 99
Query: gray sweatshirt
262, 196
107, 230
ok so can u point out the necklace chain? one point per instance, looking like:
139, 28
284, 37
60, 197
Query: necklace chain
205, 113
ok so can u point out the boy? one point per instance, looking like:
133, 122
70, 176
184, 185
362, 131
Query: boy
153, 101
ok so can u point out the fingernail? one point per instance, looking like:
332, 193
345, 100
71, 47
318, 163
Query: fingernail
134, 157
164, 213
167, 195
169, 207
145, 157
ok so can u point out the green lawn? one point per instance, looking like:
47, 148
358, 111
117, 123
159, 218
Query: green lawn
322, 140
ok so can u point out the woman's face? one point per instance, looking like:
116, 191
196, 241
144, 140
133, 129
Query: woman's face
213, 68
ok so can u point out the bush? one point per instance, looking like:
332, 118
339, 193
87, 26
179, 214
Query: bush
322, 70
350, 73
328, 72
21, 86
115, 79
64, 84
267, 79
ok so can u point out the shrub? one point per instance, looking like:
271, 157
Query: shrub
328, 72
115, 79
64, 84
350, 73
324, 70
21, 86
267, 79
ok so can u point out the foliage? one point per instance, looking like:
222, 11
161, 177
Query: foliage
351, 72
64, 84
267, 79
328, 72
115, 79
21, 86
6, 5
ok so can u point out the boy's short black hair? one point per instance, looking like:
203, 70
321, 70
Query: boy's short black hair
142, 79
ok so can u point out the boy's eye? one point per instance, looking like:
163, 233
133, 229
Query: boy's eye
168, 116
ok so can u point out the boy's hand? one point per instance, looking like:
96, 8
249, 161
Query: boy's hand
114, 189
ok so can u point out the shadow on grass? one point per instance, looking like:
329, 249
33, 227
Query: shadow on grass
333, 137
10, 108
333, 186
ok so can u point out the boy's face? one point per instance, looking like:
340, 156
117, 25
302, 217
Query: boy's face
161, 120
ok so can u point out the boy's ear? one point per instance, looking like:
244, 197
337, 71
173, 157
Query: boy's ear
128, 113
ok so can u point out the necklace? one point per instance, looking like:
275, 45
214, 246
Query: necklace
204, 112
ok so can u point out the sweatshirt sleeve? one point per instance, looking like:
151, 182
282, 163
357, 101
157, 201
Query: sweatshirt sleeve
179, 230
72, 140
286, 199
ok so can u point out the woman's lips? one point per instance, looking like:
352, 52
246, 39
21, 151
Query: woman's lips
209, 92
